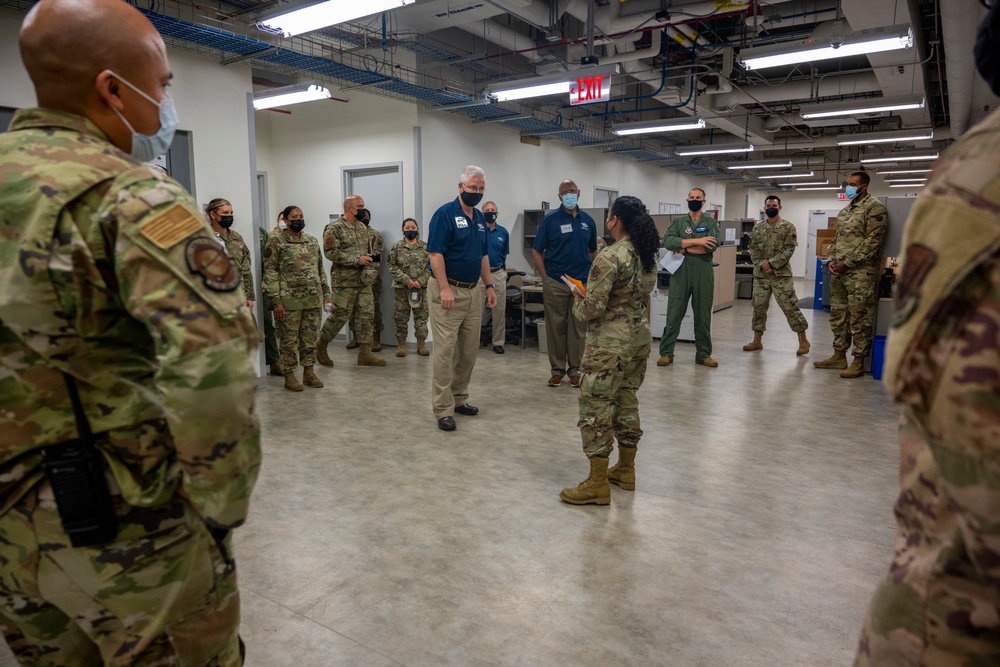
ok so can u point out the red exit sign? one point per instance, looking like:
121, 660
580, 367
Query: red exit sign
590, 89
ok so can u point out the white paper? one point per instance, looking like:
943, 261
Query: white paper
731, 234
671, 261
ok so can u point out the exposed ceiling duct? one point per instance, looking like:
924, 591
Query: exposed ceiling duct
970, 100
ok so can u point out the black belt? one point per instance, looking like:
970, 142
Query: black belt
459, 283
494, 269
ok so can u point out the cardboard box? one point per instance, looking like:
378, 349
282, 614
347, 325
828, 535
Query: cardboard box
824, 237
831, 223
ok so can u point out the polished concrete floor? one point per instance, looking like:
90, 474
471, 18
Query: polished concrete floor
759, 527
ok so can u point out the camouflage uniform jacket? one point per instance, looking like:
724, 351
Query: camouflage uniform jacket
110, 274
617, 291
240, 254
409, 262
774, 243
861, 228
939, 604
293, 272
343, 244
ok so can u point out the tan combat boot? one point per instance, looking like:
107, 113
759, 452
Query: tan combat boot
309, 378
353, 345
322, 356
275, 369
623, 472
664, 361
756, 344
377, 345
855, 370
366, 358
803, 344
838, 361
421, 348
291, 383
594, 490
400, 346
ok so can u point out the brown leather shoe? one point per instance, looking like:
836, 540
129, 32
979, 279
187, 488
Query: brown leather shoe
574, 381
555, 380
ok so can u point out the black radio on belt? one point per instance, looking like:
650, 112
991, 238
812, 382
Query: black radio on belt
376, 257
75, 470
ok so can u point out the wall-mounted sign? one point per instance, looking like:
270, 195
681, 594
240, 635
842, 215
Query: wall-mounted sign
590, 89
842, 196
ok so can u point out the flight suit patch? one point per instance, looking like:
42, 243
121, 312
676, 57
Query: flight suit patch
916, 264
171, 227
208, 259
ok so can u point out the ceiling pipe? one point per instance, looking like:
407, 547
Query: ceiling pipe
799, 13
503, 36
627, 52
958, 25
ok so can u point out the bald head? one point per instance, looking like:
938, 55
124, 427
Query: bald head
65, 44
352, 204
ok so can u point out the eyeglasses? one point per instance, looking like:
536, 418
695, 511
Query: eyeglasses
473, 188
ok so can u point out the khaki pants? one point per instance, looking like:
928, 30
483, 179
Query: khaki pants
500, 310
564, 334
456, 343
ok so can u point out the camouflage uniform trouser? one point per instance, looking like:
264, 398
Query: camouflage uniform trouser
784, 293
852, 309
609, 408
272, 353
163, 593
351, 304
376, 311
402, 305
297, 338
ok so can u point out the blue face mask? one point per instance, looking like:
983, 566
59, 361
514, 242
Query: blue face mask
851, 191
144, 147
569, 200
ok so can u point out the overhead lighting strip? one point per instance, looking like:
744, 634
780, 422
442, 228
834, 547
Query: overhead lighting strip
861, 107
899, 156
301, 17
651, 126
885, 137
714, 149
761, 164
804, 174
788, 185
807, 50
281, 97
541, 86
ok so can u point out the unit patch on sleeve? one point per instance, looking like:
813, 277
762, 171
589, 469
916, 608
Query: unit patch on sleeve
209, 260
171, 227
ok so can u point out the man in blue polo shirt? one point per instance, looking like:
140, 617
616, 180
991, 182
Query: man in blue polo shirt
457, 248
565, 245
499, 247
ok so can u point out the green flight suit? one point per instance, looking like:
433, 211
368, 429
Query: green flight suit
694, 281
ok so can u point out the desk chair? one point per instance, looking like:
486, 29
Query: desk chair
528, 307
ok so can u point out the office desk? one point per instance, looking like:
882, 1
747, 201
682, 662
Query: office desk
526, 289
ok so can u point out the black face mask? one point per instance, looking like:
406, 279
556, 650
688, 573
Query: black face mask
226, 221
771, 212
363, 215
410, 234
987, 49
491, 216
472, 198
296, 225
695, 205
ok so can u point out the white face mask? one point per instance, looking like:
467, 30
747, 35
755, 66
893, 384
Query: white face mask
282, 224
145, 147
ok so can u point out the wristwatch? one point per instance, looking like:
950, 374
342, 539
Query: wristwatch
490, 286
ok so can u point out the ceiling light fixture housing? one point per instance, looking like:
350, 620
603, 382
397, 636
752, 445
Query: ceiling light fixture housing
803, 174
789, 185
885, 137
807, 50
862, 107
281, 97
761, 164
662, 125
894, 172
551, 84
899, 156
301, 17
822, 187
714, 149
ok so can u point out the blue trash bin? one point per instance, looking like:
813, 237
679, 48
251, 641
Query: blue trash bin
878, 356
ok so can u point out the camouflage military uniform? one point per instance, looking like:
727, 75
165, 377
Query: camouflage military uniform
294, 278
617, 347
939, 605
861, 228
409, 262
240, 254
378, 245
271, 352
344, 243
110, 275
774, 243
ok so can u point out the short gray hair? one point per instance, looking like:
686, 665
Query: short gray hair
470, 172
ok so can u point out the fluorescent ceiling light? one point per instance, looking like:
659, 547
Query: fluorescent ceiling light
811, 50
885, 137
827, 187
280, 97
899, 156
908, 185
308, 16
890, 172
906, 180
865, 106
761, 164
649, 126
540, 86
791, 174
714, 149
788, 185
